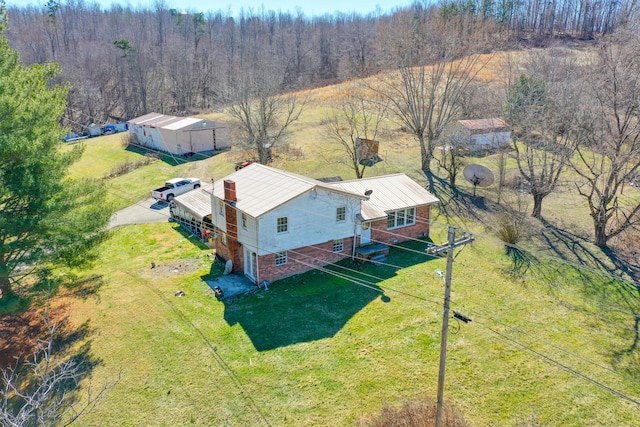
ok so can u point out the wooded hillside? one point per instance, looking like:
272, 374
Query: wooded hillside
124, 62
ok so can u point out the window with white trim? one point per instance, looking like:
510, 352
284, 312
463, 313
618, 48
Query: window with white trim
221, 207
401, 218
338, 245
282, 224
341, 214
244, 220
281, 258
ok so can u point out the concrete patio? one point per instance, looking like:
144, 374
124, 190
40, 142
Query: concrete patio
232, 285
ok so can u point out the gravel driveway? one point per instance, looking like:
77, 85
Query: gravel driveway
143, 212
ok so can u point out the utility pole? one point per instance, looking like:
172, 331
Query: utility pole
445, 325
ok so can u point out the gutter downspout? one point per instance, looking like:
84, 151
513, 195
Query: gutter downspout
355, 236
257, 272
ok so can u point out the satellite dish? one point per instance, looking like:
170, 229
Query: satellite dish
479, 176
368, 192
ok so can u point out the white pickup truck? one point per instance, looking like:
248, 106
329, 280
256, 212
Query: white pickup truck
174, 187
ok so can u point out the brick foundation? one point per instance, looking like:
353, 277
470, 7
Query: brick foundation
302, 260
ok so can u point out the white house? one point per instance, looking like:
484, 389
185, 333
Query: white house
484, 133
273, 224
177, 135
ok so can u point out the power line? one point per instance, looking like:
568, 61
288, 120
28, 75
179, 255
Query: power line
429, 224
355, 272
562, 366
378, 288
212, 349
513, 341
547, 343
421, 252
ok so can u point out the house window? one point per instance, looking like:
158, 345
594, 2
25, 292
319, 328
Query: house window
223, 238
401, 218
341, 214
281, 258
283, 224
244, 220
221, 207
338, 245
411, 216
391, 220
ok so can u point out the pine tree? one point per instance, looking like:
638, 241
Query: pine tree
45, 215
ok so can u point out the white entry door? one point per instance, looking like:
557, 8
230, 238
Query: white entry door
250, 263
365, 233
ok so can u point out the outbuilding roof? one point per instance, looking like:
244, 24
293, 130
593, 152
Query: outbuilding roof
388, 193
198, 201
163, 121
259, 188
484, 125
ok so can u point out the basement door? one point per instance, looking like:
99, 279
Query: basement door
250, 264
365, 233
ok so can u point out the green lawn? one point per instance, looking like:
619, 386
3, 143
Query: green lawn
319, 350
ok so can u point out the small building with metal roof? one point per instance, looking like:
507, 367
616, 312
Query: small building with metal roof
484, 133
177, 135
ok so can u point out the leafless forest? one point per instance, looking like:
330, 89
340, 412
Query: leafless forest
125, 62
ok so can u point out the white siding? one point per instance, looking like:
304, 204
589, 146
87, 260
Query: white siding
490, 139
216, 218
172, 143
148, 136
249, 236
310, 221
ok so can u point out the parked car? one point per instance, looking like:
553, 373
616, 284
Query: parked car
73, 137
175, 187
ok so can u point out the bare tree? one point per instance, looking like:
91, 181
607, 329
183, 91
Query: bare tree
435, 68
356, 118
453, 148
542, 112
42, 391
609, 153
263, 112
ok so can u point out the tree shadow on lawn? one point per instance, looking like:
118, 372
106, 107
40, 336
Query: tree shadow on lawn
316, 304
589, 260
606, 287
457, 203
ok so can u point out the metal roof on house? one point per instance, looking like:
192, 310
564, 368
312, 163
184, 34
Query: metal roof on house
259, 188
389, 193
163, 121
197, 201
484, 125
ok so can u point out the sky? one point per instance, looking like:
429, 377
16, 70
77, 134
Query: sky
308, 7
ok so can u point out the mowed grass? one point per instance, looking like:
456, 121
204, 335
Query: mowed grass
554, 340
318, 350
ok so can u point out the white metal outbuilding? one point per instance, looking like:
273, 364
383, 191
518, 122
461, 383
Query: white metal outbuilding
177, 135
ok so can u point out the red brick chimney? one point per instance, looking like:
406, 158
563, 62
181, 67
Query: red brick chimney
231, 218
229, 191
